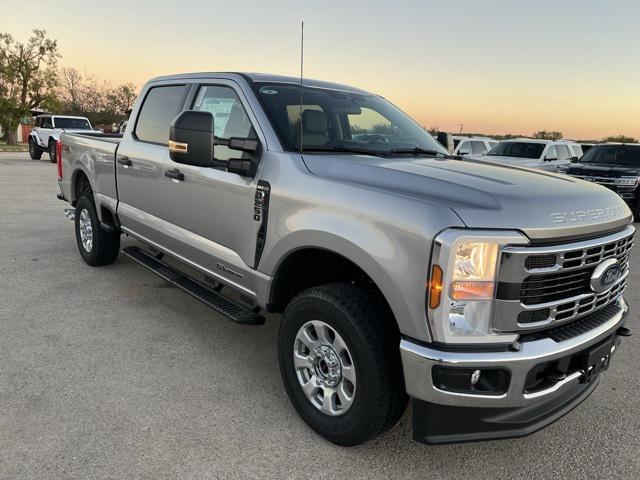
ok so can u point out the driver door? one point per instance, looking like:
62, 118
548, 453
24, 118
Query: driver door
210, 211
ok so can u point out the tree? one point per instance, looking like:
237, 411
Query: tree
72, 90
27, 78
95, 99
544, 135
433, 130
621, 139
122, 97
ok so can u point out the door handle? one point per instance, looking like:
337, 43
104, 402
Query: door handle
124, 161
174, 174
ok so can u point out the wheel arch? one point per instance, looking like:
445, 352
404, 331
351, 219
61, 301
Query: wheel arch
80, 180
342, 261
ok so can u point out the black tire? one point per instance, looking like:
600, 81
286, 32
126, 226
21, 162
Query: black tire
52, 151
34, 150
363, 322
105, 246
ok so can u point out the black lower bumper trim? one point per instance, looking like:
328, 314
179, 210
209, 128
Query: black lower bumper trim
436, 424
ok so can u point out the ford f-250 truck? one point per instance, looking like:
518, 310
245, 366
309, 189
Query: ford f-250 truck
399, 270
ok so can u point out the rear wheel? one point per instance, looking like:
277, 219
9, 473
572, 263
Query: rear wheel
34, 150
340, 363
97, 247
52, 151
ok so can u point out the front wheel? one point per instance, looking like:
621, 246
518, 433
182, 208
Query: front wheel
34, 151
340, 363
96, 246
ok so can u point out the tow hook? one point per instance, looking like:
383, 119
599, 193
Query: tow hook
70, 213
624, 332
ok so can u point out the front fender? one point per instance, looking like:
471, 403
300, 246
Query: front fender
396, 260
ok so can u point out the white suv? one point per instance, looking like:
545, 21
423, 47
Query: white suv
533, 153
47, 130
472, 145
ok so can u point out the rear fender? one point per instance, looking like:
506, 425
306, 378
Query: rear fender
81, 169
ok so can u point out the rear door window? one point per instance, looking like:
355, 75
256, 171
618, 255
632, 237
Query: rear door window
465, 147
576, 150
160, 107
563, 152
552, 152
478, 147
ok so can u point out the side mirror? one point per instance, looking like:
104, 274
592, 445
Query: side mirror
191, 138
245, 168
550, 158
463, 151
574, 159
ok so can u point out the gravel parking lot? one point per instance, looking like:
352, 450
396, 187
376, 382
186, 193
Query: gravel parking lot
112, 373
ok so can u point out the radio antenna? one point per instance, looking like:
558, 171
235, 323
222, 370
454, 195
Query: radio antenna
301, 77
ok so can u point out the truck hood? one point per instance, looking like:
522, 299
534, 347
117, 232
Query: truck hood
603, 170
544, 206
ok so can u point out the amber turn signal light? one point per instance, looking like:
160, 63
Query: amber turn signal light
435, 287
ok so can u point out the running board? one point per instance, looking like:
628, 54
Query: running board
215, 300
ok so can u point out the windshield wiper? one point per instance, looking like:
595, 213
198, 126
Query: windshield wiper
419, 151
361, 151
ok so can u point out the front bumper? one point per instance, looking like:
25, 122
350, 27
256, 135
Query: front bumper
444, 416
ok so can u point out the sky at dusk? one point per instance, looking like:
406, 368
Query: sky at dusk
495, 66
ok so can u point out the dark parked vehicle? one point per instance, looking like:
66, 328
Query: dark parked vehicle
615, 166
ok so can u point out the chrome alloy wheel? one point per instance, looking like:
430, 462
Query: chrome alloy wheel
86, 230
324, 367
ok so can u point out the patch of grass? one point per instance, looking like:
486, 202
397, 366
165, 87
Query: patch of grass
13, 148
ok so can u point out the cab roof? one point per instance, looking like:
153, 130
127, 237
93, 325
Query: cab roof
262, 78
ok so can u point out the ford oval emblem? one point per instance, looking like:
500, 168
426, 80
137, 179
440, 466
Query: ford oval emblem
606, 275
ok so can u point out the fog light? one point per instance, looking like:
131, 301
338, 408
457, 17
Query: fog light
477, 381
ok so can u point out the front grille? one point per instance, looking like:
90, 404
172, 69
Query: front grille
574, 270
540, 261
594, 255
543, 287
555, 286
584, 325
534, 316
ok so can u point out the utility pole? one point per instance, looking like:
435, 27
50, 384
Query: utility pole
461, 125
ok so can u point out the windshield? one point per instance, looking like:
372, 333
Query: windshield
334, 120
613, 154
72, 123
518, 149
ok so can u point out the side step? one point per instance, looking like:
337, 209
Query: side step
221, 304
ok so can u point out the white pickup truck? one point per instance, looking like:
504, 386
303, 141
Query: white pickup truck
47, 130
552, 156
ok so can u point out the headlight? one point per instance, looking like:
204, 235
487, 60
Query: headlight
626, 181
462, 285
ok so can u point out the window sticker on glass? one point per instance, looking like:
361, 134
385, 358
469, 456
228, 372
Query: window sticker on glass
220, 108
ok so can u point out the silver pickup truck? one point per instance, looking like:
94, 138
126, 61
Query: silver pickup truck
489, 295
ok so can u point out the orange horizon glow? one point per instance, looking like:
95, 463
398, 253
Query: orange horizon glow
495, 67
